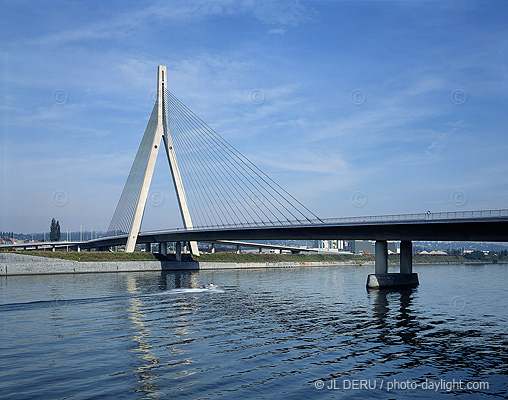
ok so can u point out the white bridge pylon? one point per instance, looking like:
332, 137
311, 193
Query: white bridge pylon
136, 188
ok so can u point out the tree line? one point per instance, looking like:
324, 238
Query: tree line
54, 232
492, 256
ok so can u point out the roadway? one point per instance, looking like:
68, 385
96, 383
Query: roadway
479, 226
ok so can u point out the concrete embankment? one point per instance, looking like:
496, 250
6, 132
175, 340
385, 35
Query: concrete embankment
19, 264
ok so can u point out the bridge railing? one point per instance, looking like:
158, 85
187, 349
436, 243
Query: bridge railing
428, 216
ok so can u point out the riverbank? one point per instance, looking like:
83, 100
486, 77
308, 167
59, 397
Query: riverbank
35, 263
22, 264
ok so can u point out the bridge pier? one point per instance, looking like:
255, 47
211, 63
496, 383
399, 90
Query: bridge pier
381, 263
178, 251
406, 257
148, 247
163, 248
382, 279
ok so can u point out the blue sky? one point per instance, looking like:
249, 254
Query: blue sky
368, 107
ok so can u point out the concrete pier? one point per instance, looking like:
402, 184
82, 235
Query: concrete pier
382, 279
381, 266
392, 280
163, 246
178, 251
406, 257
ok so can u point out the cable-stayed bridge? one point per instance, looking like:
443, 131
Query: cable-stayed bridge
216, 185
223, 196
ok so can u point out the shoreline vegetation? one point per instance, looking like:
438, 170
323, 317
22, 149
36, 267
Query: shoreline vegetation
359, 259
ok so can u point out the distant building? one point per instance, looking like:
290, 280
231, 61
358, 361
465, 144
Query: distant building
362, 246
369, 246
330, 244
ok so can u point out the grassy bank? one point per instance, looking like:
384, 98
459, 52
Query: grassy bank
242, 258
357, 258
91, 255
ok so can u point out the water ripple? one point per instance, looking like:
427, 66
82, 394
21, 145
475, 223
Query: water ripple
264, 334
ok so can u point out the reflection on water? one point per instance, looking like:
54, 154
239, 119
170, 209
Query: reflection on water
405, 325
140, 338
273, 333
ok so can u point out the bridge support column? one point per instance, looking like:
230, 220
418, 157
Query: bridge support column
148, 247
381, 257
178, 251
406, 257
163, 247
213, 248
382, 279
260, 250
238, 250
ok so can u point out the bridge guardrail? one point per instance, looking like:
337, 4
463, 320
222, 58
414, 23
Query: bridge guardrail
428, 216
446, 215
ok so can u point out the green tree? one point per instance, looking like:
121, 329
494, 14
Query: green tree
475, 255
54, 231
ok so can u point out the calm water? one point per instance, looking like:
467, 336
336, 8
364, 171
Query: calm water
275, 333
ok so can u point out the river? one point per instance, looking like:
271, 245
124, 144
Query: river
287, 333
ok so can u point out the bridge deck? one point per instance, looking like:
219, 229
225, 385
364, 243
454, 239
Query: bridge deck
485, 229
481, 226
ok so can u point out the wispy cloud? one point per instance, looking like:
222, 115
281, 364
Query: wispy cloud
282, 13
277, 31
275, 78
